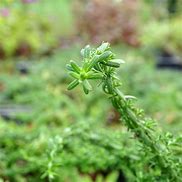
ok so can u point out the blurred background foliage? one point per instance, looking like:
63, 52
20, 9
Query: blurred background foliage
48, 133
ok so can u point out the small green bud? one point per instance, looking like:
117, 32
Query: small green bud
86, 51
103, 47
104, 87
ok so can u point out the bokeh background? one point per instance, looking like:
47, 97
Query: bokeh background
48, 133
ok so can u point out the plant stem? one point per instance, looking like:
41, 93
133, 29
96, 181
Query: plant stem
145, 135
101, 64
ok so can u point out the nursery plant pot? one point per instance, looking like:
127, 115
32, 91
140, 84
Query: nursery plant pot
166, 60
10, 112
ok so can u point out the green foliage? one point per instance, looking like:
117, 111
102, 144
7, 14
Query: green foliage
164, 35
155, 88
92, 140
92, 150
31, 28
154, 143
23, 33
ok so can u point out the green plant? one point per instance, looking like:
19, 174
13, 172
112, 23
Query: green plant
100, 64
93, 151
165, 35
28, 29
22, 33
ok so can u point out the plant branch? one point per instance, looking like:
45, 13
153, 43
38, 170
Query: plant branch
101, 64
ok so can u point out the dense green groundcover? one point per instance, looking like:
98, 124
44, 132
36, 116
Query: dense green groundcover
67, 135
50, 134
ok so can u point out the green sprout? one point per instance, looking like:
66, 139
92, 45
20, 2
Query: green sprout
94, 60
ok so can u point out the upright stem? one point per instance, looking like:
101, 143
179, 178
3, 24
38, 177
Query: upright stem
101, 64
145, 135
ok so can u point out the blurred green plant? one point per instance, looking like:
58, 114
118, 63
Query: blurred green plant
31, 28
86, 147
165, 35
24, 33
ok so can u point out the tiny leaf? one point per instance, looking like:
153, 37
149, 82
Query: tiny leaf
87, 85
111, 64
86, 51
75, 66
74, 75
104, 56
73, 84
119, 61
92, 75
129, 97
92, 62
69, 68
103, 47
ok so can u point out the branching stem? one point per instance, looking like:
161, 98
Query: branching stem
101, 64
